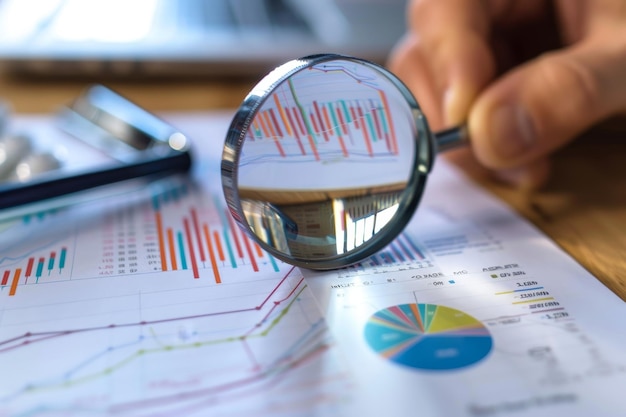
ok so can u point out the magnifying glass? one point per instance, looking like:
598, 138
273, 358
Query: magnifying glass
326, 160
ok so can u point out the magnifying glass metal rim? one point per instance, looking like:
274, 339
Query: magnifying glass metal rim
235, 138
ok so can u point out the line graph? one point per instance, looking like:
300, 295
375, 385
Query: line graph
95, 355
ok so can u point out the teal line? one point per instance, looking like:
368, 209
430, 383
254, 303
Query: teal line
50, 263
155, 202
273, 261
345, 110
371, 125
181, 247
334, 117
39, 270
383, 117
62, 258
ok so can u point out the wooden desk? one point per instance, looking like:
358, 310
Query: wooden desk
583, 208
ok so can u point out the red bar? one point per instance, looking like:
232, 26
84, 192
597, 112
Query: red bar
170, 242
319, 117
339, 137
274, 136
354, 117
16, 278
246, 242
233, 230
295, 130
313, 147
192, 252
344, 128
29, 267
5, 277
207, 237
298, 117
275, 122
196, 226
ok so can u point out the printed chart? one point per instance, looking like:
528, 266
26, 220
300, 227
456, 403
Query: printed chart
486, 318
333, 120
150, 301
428, 336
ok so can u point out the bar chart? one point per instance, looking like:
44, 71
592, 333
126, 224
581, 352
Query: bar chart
169, 227
334, 118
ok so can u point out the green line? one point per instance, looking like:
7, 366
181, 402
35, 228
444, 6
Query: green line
345, 110
302, 111
166, 348
334, 117
383, 117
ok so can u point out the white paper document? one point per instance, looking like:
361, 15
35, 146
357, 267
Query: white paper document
154, 303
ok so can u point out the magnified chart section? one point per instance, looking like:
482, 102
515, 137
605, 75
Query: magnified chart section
428, 337
337, 118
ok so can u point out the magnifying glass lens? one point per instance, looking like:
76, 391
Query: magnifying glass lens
325, 161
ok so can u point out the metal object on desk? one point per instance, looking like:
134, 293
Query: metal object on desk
326, 160
130, 143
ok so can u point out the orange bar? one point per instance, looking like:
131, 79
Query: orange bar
266, 132
207, 237
327, 120
16, 278
259, 251
218, 244
170, 243
159, 224
281, 111
275, 135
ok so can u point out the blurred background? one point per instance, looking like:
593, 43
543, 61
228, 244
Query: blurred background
51, 46
180, 37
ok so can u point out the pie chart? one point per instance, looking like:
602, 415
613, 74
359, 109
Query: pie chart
428, 337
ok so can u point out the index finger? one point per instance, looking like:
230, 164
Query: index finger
455, 36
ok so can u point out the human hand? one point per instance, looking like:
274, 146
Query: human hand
527, 76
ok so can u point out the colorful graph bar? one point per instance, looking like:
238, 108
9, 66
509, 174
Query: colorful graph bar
38, 264
194, 244
401, 251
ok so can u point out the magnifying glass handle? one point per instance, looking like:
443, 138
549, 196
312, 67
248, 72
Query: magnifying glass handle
452, 138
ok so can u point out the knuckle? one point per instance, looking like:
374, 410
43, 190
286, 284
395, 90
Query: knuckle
578, 80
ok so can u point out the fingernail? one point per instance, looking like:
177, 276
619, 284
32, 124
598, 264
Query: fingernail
455, 106
512, 132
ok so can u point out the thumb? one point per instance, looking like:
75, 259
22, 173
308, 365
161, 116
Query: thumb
543, 104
